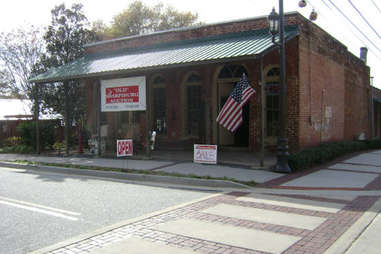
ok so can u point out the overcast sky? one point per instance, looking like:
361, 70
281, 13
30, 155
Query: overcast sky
19, 13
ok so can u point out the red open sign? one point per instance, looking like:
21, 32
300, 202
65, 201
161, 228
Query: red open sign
124, 147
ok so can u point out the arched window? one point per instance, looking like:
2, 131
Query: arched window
232, 71
272, 102
159, 104
194, 105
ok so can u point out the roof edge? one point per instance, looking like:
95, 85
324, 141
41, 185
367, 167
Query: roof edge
183, 29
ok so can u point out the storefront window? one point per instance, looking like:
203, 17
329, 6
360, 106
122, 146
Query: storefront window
272, 102
194, 105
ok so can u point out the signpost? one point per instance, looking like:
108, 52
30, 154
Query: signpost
124, 147
205, 154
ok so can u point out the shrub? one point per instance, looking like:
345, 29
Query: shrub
13, 141
59, 146
18, 149
47, 129
328, 151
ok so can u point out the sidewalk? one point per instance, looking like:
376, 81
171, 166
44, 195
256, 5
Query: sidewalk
334, 209
240, 172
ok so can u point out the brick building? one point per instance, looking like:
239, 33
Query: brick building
376, 112
189, 73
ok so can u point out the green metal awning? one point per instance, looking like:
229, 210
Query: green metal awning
204, 50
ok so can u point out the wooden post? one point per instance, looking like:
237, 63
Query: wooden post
218, 111
67, 115
99, 152
36, 116
148, 120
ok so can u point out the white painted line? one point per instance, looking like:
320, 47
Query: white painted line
38, 208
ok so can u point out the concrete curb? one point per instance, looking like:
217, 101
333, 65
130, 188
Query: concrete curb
115, 226
354, 232
131, 177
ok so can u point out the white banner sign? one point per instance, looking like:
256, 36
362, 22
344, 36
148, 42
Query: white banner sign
124, 147
205, 154
127, 94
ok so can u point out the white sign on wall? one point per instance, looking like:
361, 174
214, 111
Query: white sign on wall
126, 94
205, 154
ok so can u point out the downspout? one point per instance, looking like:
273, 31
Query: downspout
372, 107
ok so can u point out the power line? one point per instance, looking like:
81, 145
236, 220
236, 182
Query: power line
375, 5
353, 24
362, 16
351, 30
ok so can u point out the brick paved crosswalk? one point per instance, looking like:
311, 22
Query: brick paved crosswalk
235, 222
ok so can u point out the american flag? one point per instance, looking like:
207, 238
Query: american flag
230, 115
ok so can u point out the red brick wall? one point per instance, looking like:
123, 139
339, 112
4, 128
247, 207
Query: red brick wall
377, 112
333, 88
292, 116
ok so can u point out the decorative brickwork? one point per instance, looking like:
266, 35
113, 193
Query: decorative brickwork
314, 241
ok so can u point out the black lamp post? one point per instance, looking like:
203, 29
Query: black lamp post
276, 23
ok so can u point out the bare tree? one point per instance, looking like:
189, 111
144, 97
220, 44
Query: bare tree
20, 50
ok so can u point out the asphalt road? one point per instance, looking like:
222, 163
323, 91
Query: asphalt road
39, 209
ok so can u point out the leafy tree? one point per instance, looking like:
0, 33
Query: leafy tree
20, 50
139, 18
64, 39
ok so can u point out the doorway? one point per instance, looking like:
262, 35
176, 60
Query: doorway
227, 79
272, 108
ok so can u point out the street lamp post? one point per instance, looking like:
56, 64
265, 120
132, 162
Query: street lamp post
276, 23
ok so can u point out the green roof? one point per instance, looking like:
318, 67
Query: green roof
203, 50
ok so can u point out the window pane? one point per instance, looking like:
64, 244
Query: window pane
273, 72
276, 102
239, 70
194, 109
194, 79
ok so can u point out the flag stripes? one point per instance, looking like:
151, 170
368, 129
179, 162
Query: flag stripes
230, 115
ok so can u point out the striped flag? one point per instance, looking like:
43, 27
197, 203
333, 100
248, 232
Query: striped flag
230, 115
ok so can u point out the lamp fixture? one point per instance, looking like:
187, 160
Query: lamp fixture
302, 3
313, 15
273, 19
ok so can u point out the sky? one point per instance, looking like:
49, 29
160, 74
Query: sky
360, 28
